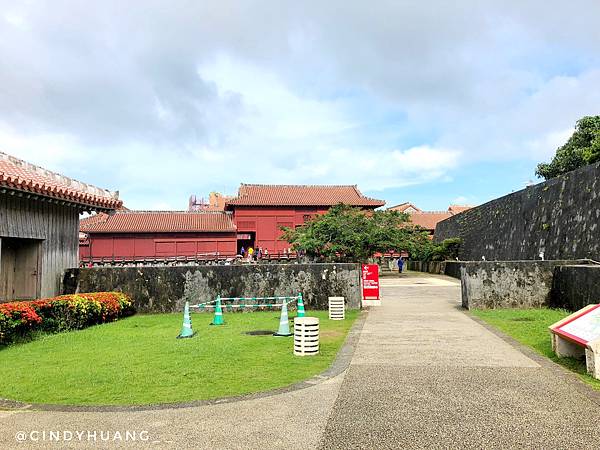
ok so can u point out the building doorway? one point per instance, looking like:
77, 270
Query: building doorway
19, 269
245, 240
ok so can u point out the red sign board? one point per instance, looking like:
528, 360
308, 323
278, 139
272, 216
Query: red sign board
370, 281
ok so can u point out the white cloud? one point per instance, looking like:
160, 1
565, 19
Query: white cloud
201, 96
53, 151
544, 147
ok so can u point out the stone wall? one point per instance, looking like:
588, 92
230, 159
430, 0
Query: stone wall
575, 286
559, 217
165, 289
508, 284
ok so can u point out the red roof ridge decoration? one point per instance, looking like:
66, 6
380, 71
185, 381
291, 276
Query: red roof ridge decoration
19, 175
164, 211
159, 222
301, 195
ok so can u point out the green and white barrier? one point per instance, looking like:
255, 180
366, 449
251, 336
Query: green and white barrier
218, 306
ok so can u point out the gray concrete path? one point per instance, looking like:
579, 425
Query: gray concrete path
424, 375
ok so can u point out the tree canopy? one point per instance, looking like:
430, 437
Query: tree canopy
345, 232
582, 148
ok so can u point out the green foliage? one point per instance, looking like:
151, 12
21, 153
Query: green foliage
582, 148
431, 251
137, 360
447, 249
345, 232
21, 320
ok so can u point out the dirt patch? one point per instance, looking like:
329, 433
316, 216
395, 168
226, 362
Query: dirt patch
259, 333
332, 333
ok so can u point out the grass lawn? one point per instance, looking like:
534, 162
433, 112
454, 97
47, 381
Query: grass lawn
138, 360
530, 327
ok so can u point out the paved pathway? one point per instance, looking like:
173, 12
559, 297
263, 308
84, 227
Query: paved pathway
424, 375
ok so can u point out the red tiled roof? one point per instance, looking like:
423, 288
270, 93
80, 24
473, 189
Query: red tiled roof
301, 195
402, 207
16, 174
455, 209
429, 219
158, 222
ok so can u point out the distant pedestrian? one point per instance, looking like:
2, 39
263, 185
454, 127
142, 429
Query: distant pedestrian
242, 251
400, 265
250, 253
259, 253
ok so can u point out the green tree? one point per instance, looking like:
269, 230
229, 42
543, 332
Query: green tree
345, 232
428, 250
582, 148
445, 250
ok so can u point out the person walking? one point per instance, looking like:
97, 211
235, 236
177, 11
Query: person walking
242, 251
400, 265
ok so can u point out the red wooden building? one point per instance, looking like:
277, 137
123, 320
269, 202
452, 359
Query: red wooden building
142, 235
251, 219
260, 210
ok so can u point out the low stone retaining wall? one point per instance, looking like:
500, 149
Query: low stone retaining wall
165, 289
575, 286
450, 268
508, 284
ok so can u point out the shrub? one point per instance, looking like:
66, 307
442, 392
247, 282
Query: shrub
66, 312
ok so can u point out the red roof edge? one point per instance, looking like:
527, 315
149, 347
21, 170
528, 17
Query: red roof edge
19, 175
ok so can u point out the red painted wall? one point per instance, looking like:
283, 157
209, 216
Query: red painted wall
84, 251
265, 222
158, 245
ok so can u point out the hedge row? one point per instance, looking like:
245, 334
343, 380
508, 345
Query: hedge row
66, 312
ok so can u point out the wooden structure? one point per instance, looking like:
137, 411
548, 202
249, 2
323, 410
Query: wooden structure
251, 219
39, 226
137, 236
261, 210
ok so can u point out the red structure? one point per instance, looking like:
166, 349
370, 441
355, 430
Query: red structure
252, 219
141, 235
428, 219
261, 210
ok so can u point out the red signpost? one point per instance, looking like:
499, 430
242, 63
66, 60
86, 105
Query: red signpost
370, 284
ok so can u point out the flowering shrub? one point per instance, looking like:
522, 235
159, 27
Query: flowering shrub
66, 312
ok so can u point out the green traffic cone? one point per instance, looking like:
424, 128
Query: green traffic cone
186, 330
300, 311
218, 319
284, 324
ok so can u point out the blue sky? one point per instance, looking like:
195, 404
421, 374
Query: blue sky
426, 102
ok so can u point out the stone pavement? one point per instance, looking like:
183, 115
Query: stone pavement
424, 375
